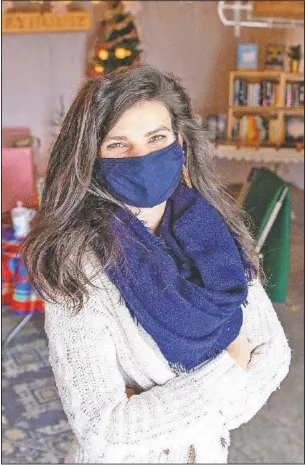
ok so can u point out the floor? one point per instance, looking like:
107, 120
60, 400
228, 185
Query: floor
34, 428
276, 434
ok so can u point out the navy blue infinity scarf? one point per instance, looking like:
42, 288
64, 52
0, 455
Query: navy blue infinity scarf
187, 287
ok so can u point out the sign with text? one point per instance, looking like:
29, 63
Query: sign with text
23, 23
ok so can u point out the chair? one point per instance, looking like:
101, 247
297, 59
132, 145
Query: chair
268, 203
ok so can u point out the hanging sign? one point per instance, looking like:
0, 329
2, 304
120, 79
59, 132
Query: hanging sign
32, 22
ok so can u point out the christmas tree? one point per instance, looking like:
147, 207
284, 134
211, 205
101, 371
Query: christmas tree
117, 43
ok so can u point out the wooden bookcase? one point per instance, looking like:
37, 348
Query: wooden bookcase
277, 112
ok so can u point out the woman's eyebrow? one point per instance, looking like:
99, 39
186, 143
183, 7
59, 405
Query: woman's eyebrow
115, 138
154, 131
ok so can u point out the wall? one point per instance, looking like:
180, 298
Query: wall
184, 37
37, 69
192, 42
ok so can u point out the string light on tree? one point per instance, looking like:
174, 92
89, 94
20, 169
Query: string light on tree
103, 54
121, 53
99, 69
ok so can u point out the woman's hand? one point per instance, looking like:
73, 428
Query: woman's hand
130, 392
240, 350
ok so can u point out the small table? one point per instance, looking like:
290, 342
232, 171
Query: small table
17, 292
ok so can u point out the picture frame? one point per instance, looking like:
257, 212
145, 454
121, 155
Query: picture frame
247, 56
275, 56
294, 129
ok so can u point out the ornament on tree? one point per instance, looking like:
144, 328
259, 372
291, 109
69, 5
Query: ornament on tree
117, 42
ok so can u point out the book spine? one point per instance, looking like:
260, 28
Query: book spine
240, 93
296, 95
243, 95
267, 93
288, 95
264, 94
261, 93
266, 102
251, 94
292, 99
273, 100
235, 129
257, 94
301, 94
243, 128
236, 92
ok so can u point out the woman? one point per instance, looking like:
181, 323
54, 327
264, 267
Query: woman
161, 336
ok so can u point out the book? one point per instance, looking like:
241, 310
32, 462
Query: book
236, 92
294, 94
302, 94
275, 56
247, 56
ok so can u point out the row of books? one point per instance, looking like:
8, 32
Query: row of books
251, 129
258, 130
295, 94
252, 94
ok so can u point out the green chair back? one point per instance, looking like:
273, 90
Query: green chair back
268, 203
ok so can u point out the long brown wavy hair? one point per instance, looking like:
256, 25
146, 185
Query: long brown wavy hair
75, 209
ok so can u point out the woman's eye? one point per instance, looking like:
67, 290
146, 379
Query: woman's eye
157, 138
115, 145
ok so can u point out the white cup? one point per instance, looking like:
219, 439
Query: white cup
21, 218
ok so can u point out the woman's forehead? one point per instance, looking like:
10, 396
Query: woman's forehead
142, 117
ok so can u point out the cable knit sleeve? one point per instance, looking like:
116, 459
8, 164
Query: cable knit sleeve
84, 361
269, 363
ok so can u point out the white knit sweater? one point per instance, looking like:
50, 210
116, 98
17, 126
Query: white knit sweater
100, 351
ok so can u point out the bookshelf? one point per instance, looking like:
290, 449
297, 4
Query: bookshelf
261, 101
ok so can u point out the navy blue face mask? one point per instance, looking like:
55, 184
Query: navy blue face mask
143, 181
